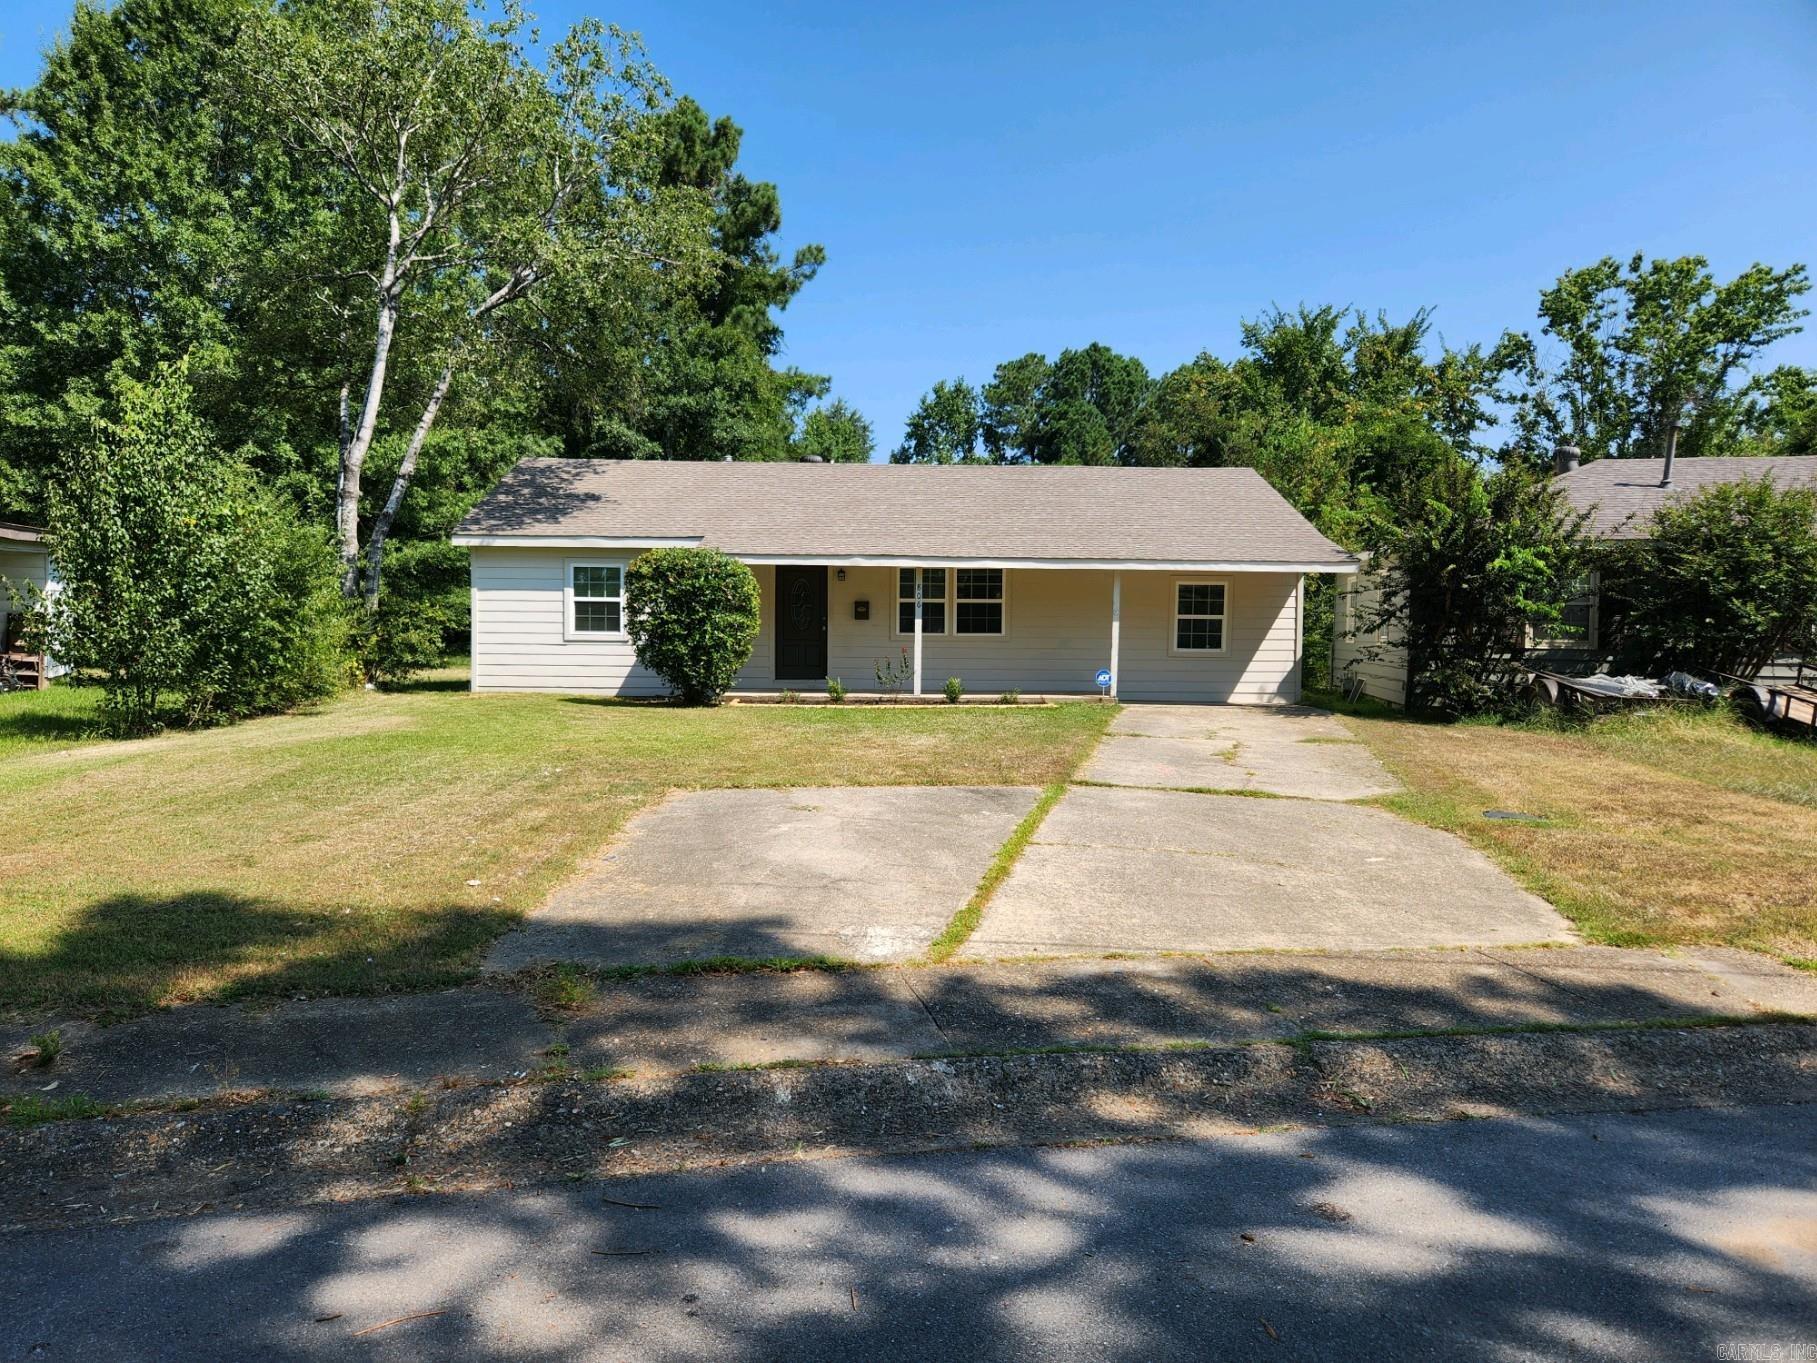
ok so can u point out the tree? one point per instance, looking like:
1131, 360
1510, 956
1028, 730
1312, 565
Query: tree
181, 578
129, 207
464, 179
1642, 339
943, 428
692, 615
1469, 562
837, 433
1725, 581
1010, 414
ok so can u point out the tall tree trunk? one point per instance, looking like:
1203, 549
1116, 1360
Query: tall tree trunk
353, 455
381, 528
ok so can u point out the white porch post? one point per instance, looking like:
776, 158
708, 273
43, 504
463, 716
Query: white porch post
917, 631
1116, 628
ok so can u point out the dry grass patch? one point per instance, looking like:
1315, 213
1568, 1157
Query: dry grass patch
1673, 828
333, 852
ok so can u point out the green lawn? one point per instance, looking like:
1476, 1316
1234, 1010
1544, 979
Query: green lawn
331, 851
1664, 827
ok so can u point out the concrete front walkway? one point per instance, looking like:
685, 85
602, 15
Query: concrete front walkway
1279, 750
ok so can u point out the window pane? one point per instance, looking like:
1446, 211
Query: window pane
980, 584
979, 617
933, 582
592, 580
1192, 634
596, 617
933, 617
905, 583
1201, 598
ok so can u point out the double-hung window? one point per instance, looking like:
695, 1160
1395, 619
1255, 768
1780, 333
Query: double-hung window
1199, 616
978, 601
933, 600
595, 601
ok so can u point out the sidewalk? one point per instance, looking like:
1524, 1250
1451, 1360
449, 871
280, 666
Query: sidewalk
666, 1024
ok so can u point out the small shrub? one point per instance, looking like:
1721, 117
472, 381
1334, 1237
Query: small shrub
692, 615
954, 689
1011, 697
787, 697
893, 674
403, 637
835, 690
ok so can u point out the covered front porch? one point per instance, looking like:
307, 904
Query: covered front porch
1164, 632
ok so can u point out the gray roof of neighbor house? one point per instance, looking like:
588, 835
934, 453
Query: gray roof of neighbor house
1621, 495
890, 513
12, 532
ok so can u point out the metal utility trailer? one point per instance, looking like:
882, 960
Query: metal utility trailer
1595, 692
1779, 702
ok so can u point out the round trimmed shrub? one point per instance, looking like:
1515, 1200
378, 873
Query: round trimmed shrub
692, 616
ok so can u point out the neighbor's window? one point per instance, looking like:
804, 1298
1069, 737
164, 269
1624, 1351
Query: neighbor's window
1198, 617
933, 600
1576, 625
978, 601
596, 594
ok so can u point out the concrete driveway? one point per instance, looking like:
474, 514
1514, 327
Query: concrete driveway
1164, 870
1162, 866
863, 873
1279, 750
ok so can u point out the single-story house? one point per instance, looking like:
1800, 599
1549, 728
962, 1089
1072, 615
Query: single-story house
25, 568
1619, 497
1184, 584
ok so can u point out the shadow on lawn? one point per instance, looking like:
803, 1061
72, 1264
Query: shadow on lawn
131, 952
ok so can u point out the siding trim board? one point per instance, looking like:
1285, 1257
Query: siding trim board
1060, 636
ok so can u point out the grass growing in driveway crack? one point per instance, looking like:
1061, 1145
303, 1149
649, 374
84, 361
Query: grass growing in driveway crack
966, 921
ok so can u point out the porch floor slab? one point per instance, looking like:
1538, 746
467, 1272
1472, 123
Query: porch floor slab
1290, 750
861, 873
1161, 870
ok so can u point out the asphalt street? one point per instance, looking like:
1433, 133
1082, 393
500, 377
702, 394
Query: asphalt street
1678, 1235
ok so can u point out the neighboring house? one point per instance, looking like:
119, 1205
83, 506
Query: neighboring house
1619, 496
1185, 583
24, 568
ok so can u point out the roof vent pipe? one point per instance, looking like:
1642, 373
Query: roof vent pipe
1665, 478
812, 459
1566, 458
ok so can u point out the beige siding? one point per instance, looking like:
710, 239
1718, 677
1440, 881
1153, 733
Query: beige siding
1057, 634
1378, 662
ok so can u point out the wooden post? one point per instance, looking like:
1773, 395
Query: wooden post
1116, 628
917, 631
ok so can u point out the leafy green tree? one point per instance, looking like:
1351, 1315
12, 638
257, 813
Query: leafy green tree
1642, 339
692, 615
943, 428
180, 578
1725, 581
465, 178
1010, 409
1781, 416
836, 432
1469, 561
129, 206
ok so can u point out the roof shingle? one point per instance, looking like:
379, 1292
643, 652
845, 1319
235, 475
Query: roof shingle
1621, 495
882, 511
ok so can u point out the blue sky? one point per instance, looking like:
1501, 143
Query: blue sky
994, 179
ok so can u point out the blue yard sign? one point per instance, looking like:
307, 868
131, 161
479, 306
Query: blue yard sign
1103, 678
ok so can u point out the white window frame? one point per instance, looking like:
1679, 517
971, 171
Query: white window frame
1174, 617
582, 636
898, 601
1000, 601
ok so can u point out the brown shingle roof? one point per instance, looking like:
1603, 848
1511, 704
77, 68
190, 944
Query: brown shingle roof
885, 511
1621, 495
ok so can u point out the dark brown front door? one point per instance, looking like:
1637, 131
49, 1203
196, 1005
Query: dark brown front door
800, 624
